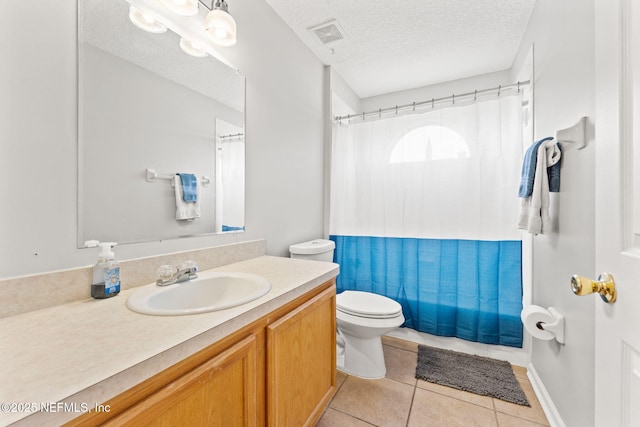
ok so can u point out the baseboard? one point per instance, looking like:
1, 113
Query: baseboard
550, 410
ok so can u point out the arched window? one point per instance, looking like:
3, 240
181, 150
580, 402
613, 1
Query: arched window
429, 143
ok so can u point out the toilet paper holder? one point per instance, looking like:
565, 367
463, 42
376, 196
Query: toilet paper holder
543, 323
556, 327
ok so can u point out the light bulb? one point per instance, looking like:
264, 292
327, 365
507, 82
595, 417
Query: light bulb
221, 26
181, 7
192, 48
221, 33
145, 22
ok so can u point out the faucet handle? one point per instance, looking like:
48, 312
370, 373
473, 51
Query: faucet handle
165, 272
190, 265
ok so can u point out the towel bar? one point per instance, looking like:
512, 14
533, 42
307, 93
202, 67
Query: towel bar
152, 176
574, 134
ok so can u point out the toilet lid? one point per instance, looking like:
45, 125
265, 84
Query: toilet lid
367, 304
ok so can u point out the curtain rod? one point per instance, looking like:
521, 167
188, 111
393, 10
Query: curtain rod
433, 101
230, 136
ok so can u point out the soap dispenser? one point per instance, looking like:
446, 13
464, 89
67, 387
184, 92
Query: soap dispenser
106, 272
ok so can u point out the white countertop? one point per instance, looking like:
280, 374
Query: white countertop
87, 352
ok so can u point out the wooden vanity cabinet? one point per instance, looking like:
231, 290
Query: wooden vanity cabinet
301, 368
279, 371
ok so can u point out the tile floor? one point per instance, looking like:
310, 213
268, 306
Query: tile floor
402, 400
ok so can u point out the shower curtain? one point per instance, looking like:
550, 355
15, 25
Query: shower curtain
423, 210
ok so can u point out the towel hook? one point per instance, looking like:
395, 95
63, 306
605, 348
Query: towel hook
475, 95
396, 110
499, 89
433, 103
518, 87
453, 98
414, 106
363, 116
379, 112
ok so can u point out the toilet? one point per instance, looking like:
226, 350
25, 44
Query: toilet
362, 318
317, 250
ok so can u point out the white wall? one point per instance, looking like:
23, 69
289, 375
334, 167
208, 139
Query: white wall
563, 37
38, 157
425, 93
343, 99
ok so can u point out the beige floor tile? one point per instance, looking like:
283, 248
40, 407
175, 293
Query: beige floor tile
505, 420
533, 413
401, 364
436, 410
400, 343
476, 399
340, 377
520, 371
333, 418
382, 402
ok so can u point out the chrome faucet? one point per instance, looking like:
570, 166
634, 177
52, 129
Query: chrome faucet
168, 275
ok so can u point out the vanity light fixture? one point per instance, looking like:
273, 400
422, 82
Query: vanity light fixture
220, 25
145, 22
181, 7
192, 48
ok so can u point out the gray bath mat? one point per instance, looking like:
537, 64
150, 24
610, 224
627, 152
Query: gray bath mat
476, 374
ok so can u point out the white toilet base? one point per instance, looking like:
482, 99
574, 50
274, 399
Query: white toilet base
362, 357
359, 344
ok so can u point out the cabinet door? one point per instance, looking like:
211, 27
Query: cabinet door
301, 362
220, 392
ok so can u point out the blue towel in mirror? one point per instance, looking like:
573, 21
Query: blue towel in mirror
189, 187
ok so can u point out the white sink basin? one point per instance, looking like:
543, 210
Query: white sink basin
211, 291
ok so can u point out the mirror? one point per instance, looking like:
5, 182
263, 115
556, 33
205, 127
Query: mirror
146, 111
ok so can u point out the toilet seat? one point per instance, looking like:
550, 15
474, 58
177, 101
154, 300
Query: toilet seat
367, 305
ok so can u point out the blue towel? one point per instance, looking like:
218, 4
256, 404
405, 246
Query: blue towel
529, 169
554, 174
189, 187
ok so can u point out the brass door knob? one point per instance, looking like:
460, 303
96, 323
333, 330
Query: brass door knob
605, 286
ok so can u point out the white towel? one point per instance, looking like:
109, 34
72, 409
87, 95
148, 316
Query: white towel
185, 210
534, 211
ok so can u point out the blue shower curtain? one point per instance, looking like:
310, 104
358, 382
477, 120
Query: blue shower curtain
424, 210
464, 288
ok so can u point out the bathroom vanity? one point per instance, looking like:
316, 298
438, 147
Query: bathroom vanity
268, 362
280, 368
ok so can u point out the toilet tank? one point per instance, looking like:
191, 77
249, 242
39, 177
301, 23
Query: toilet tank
318, 250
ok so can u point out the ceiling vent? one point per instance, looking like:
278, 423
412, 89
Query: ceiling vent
329, 32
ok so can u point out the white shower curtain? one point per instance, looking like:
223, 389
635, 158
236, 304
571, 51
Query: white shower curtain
451, 173
424, 210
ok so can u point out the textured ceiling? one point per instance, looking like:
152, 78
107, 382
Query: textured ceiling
393, 45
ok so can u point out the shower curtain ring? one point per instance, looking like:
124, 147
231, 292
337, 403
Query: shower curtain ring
518, 87
499, 88
475, 95
396, 110
453, 98
363, 116
414, 106
433, 103
379, 112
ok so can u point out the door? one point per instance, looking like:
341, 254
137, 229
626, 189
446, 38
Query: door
617, 130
